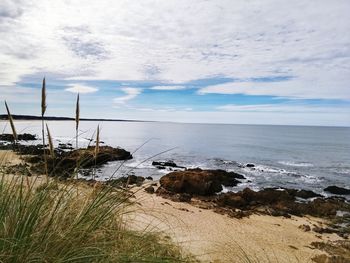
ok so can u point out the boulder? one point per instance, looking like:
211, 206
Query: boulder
198, 181
149, 189
127, 180
337, 190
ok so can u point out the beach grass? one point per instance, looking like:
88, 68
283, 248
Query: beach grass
52, 221
58, 222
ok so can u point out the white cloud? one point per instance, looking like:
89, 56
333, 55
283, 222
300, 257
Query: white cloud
79, 88
131, 93
286, 108
179, 41
168, 88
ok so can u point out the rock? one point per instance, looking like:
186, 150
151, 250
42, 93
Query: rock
127, 180
305, 228
337, 190
21, 137
198, 181
232, 200
65, 146
166, 164
149, 178
149, 189
305, 194
181, 197
281, 202
250, 165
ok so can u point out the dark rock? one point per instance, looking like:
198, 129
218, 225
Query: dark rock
149, 178
305, 228
337, 190
64, 163
181, 197
65, 146
281, 202
250, 165
149, 189
305, 194
127, 180
198, 181
166, 164
21, 137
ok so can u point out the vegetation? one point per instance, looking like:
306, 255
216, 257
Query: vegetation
65, 223
55, 221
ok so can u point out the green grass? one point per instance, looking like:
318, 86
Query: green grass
64, 223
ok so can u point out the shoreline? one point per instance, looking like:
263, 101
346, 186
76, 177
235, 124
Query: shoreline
215, 237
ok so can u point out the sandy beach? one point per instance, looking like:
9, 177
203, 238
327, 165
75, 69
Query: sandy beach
213, 237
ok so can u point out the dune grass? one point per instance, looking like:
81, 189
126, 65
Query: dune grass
58, 222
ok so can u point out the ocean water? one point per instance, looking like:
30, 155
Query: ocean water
284, 156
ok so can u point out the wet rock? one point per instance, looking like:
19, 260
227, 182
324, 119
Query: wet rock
65, 146
250, 165
149, 189
166, 165
149, 178
21, 137
198, 181
337, 190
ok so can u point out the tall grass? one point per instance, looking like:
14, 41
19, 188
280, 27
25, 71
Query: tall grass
77, 119
51, 223
12, 124
69, 222
43, 110
51, 146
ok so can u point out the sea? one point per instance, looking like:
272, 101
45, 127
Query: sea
301, 157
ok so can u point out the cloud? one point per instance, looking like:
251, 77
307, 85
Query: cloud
131, 93
301, 87
79, 88
168, 88
179, 42
285, 108
11, 8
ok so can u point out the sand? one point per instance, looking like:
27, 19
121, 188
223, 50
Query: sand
213, 237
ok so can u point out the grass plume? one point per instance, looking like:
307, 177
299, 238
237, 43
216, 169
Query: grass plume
77, 119
13, 128
51, 146
97, 145
43, 110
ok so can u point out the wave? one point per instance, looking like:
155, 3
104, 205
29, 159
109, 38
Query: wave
296, 164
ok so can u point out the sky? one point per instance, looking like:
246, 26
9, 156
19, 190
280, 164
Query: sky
207, 61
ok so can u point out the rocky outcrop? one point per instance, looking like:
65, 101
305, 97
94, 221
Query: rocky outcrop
65, 162
167, 165
20, 137
198, 181
337, 190
281, 202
